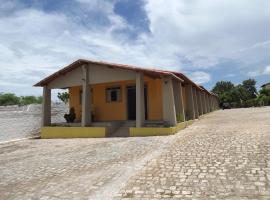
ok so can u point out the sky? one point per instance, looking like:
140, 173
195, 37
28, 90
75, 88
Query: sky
205, 39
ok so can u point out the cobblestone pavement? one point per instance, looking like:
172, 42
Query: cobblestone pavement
224, 156
72, 168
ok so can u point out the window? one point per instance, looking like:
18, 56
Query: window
113, 94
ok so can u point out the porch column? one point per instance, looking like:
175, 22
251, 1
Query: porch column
217, 103
178, 100
190, 102
196, 107
204, 103
86, 97
198, 92
169, 114
46, 107
201, 101
140, 114
210, 106
182, 107
212, 103
208, 103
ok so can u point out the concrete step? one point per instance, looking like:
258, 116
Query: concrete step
122, 131
129, 124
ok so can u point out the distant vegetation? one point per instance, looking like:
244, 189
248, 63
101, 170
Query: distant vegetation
63, 96
7, 99
242, 95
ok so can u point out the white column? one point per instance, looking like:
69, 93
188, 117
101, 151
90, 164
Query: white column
169, 114
190, 102
86, 97
140, 107
46, 107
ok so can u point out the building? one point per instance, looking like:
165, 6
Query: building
114, 99
266, 86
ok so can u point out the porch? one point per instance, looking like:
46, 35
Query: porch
110, 129
116, 100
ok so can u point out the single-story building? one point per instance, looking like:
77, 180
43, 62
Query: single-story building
121, 100
266, 86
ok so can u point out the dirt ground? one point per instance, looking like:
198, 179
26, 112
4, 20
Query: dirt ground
224, 155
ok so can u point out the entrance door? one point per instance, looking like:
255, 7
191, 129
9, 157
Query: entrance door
131, 102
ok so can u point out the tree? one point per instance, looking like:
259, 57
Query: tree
249, 86
265, 91
222, 87
26, 100
64, 96
224, 90
263, 98
9, 99
242, 95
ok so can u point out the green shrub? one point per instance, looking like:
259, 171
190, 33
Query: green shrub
265, 100
7, 99
26, 100
11, 99
64, 97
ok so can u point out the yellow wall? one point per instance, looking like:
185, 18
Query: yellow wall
154, 99
73, 132
156, 131
74, 100
106, 111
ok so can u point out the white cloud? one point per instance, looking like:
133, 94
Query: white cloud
200, 77
184, 35
266, 70
206, 31
254, 73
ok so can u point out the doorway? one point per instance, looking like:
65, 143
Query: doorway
131, 102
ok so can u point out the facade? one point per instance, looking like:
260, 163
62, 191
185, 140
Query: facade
112, 99
266, 86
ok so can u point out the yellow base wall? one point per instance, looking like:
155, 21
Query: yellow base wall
188, 123
73, 132
155, 131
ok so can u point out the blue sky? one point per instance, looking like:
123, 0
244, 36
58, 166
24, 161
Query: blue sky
207, 40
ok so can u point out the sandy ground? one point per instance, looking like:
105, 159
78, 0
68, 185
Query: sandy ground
21, 122
224, 155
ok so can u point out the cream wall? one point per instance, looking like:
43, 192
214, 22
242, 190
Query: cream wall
97, 74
